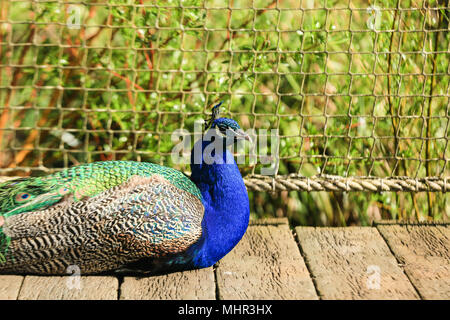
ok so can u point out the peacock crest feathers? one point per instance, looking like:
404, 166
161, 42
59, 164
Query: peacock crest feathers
214, 115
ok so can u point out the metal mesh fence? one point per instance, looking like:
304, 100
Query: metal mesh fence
358, 91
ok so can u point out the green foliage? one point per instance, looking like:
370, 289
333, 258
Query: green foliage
347, 100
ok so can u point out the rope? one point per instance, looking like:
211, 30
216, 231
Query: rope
341, 184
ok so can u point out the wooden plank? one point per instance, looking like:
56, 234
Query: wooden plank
192, 285
268, 221
424, 252
411, 222
353, 263
10, 286
65, 288
266, 264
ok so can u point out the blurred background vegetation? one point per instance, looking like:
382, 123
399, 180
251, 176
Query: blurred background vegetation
355, 88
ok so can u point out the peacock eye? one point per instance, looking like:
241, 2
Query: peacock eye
63, 190
22, 196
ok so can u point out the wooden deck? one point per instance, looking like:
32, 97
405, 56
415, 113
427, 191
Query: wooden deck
387, 261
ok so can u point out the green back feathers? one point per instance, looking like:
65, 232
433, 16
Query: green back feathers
37, 193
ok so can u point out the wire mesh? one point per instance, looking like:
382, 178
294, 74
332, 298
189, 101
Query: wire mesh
359, 92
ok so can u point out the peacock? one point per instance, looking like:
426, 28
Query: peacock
126, 215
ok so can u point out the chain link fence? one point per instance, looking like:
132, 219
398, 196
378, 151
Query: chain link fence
357, 91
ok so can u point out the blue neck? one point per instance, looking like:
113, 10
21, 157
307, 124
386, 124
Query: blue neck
226, 204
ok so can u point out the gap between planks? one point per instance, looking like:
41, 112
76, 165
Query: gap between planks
10, 286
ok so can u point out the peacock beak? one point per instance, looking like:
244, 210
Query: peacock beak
241, 135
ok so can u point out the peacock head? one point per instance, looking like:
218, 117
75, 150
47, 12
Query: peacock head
229, 129
220, 133
226, 127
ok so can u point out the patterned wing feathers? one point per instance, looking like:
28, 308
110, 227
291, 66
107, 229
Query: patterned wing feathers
144, 217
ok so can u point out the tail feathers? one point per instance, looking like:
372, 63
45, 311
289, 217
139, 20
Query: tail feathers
28, 194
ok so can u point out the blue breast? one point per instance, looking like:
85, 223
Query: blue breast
226, 205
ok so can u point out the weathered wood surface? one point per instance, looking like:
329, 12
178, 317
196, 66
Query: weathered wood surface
66, 288
353, 263
424, 253
266, 264
187, 285
272, 261
10, 287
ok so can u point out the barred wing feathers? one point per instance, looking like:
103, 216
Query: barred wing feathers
145, 217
